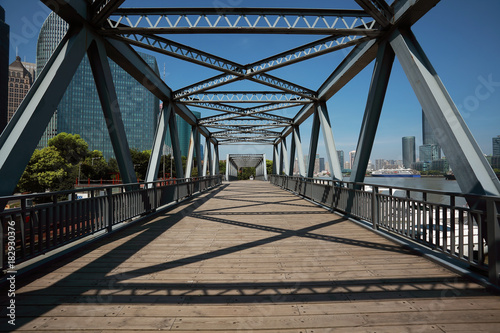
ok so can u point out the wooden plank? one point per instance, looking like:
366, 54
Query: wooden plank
268, 262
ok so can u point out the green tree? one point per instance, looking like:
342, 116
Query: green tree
47, 170
222, 167
269, 167
94, 166
140, 159
71, 147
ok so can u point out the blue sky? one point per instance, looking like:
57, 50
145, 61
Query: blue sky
460, 37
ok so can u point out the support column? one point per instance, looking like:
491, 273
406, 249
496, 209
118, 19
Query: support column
313, 147
228, 165
176, 149
331, 150
109, 101
159, 140
189, 161
22, 134
291, 165
276, 160
216, 160
264, 165
474, 174
197, 151
298, 148
284, 162
206, 158
374, 103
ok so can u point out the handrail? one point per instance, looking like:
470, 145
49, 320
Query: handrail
441, 221
59, 218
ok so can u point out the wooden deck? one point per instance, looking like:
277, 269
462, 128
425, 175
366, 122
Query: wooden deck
249, 257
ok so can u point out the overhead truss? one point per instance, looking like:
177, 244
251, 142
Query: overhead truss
372, 30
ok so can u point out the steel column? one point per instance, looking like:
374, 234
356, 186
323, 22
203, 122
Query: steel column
228, 165
300, 154
176, 149
374, 103
284, 162
109, 101
331, 151
22, 134
206, 152
264, 165
276, 160
313, 146
215, 160
159, 140
291, 166
473, 173
189, 161
197, 151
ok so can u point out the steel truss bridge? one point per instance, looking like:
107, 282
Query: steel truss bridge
372, 31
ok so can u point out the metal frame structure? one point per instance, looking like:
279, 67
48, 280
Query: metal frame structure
236, 161
372, 30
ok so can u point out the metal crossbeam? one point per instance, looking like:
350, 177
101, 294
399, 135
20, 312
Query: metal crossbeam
241, 20
244, 97
265, 79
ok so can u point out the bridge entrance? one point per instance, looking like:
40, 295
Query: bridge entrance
236, 161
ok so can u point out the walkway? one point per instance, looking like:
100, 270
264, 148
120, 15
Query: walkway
249, 256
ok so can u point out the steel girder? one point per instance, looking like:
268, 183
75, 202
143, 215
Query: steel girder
364, 30
376, 95
109, 101
241, 20
22, 134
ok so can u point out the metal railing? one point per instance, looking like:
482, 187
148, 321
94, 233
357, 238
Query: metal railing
42, 222
441, 221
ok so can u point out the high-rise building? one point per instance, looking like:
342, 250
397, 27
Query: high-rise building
429, 153
321, 164
31, 68
380, 164
408, 151
183, 132
20, 81
352, 155
430, 148
496, 146
4, 70
80, 112
340, 154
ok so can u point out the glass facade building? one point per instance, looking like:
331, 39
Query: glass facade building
184, 134
408, 151
496, 146
80, 112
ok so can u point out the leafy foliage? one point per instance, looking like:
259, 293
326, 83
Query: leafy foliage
47, 169
71, 147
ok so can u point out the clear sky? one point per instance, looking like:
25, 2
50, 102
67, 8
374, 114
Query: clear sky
460, 37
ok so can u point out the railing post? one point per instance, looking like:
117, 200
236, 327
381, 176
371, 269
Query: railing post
155, 197
375, 210
493, 241
109, 192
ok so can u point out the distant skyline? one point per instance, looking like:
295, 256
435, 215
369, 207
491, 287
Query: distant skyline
460, 38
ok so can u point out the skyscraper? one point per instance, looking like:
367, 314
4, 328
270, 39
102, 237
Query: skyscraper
4, 69
340, 154
352, 155
80, 112
408, 151
430, 150
20, 81
496, 146
183, 132
429, 153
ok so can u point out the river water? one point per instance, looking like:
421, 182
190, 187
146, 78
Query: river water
424, 183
